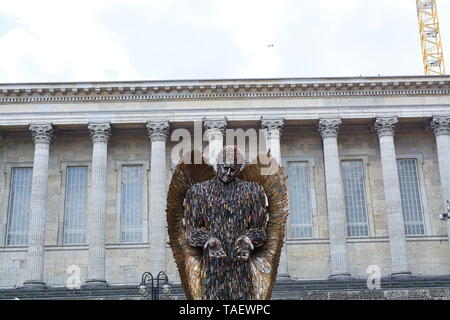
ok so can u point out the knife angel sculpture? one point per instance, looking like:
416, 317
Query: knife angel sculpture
226, 224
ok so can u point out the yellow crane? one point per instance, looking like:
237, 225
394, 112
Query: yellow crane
430, 37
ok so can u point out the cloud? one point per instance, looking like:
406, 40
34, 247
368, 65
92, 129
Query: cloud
54, 42
342, 41
46, 41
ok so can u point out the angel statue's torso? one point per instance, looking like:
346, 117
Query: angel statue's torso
233, 212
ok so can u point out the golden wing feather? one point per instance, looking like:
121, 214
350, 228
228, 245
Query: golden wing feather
188, 258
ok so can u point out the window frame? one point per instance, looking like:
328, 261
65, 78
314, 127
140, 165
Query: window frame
63, 192
9, 166
361, 161
62, 199
368, 189
311, 163
145, 198
422, 193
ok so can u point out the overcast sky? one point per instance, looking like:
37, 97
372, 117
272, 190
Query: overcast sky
119, 40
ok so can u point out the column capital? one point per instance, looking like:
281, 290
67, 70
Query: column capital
158, 130
42, 133
329, 127
272, 124
219, 124
385, 126
100, 132
440, 125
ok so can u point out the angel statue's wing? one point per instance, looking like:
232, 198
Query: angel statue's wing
188, 259
264, 259
266, 172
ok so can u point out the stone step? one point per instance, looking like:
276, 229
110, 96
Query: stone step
409, 287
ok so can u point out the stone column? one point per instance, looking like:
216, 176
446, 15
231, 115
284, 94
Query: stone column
96, 222
272, 131
42, 135
441, 129
215, 130
385, 128
329, 129
157, 132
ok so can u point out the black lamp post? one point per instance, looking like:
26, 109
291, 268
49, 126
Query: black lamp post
151, 286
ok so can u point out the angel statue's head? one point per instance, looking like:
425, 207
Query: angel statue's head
230, 161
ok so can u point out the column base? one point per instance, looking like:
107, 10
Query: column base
283, 277
33, 285
95, 284
340, 276
401, 275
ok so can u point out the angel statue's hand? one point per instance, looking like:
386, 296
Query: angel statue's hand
215, 250
242, 247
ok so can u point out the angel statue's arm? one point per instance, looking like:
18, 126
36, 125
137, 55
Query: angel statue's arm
257, 225
196, 233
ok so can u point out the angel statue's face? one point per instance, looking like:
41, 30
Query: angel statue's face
228, 172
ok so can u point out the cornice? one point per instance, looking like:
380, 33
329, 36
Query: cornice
222, 89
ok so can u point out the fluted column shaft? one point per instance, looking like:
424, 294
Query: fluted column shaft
100, 133
441, 128
385, 128
42, 135
273, 143
272, 131
443, 149
329, 129
214, 131
158, 131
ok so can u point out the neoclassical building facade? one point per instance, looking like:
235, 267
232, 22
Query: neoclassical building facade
86, 168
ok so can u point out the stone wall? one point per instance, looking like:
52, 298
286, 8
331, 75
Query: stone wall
307, 259
428, 254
